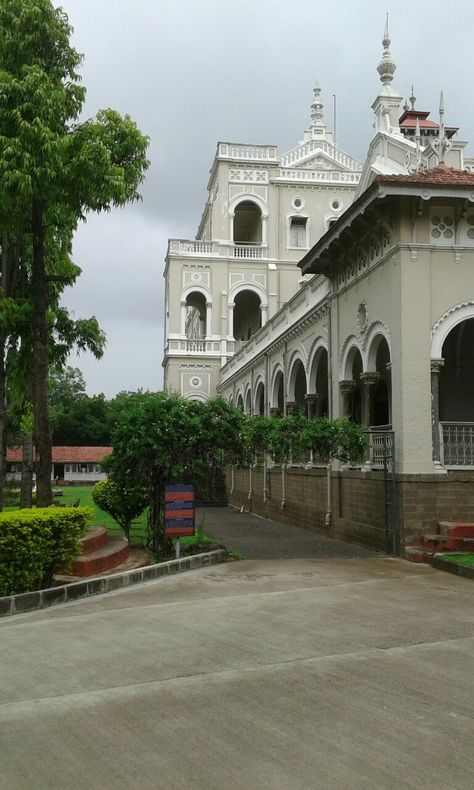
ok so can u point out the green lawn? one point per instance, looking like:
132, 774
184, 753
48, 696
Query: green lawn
460, 559
84, 494
139, 526
71, 495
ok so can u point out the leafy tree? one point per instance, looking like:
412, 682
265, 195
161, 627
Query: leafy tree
77, 419
295, 437
123, 503
53, 169
160, 439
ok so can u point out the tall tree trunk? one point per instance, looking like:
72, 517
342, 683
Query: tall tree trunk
44, 496
3, 387
26, 490
27, 466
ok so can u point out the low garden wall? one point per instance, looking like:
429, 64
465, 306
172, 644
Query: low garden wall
360, 501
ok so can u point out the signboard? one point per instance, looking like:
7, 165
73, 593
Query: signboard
179, 511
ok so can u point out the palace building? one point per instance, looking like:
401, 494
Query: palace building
343, 288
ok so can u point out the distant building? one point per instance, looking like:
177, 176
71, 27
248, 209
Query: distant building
70, 464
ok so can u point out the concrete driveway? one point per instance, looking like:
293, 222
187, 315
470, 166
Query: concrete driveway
265, 674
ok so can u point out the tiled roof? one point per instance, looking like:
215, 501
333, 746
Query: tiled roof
61, 455
442, 175
410, 123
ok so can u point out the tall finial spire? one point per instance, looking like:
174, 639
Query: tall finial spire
441, 144
317, 116
412, 98
387, 65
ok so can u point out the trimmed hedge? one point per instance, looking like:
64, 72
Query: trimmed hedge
36, 543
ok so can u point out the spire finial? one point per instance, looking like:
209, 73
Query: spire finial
441, 145
317, 115
412, 98
387, 65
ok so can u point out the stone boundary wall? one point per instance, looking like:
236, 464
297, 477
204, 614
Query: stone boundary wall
42, 599
423, 500
357, 499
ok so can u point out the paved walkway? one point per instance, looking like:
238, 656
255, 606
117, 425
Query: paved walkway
259, 538
296, 674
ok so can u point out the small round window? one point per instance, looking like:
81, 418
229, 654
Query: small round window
336, 204
298, 203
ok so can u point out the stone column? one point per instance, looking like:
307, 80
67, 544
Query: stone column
230, 322
368, 381
274, 411
291, 407
436, 365
311, 399
208, 319
345, 388
264, 315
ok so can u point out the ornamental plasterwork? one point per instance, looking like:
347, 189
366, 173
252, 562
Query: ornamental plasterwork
240, 175
196, 278
371, 326
247, 277
364, 256
319, 163
449, 312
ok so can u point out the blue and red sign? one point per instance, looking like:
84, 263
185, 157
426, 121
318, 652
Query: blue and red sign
179, 511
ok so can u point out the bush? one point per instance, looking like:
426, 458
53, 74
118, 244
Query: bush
122, 502
36, 543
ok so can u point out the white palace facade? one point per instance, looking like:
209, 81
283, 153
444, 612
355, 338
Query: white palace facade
343, 288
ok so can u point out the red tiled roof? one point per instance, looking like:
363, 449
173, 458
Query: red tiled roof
410, 123
442, 175
77, 455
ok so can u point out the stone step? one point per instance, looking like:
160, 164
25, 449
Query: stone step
447, 542
103, 559
94, 539
138, 557
462, 529
418, 554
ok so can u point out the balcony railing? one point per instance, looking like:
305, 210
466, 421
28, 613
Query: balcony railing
457, 444
248, 251
196, 344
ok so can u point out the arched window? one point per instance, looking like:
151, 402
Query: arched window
247, 315
195, 320
247, 223
456, 381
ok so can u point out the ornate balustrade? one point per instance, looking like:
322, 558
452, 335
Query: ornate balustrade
457, 444
248, 251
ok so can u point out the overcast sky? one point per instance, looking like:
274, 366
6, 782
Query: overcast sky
192, 72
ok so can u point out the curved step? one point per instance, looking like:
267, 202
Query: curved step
103, 559
94, 539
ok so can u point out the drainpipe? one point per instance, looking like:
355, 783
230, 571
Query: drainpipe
328, 518
265, 486
283, 487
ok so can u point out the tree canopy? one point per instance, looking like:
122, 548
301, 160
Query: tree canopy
53, 170
160, 439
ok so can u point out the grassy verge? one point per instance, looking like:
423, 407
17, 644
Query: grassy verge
460, 559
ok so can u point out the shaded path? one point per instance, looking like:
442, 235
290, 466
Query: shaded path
257, 538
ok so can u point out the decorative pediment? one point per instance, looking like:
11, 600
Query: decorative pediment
320, 162
320, 155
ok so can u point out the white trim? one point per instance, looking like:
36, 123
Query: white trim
443, 326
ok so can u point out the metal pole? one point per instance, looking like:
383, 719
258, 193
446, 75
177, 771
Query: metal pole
177, 548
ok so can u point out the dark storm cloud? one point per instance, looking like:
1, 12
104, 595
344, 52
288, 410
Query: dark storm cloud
194, 72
